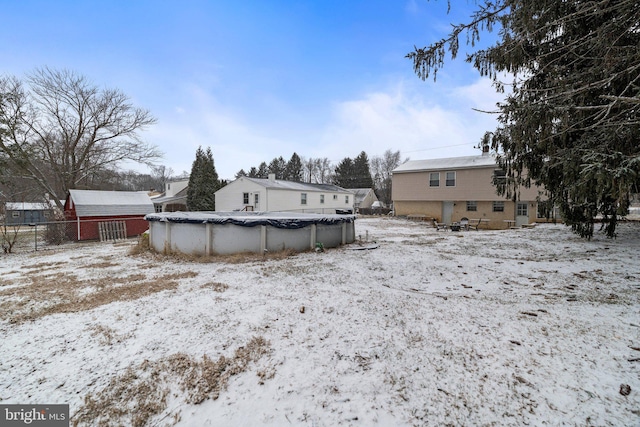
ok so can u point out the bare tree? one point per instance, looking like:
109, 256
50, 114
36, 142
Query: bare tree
8, 233
57, 128
317, 171
381, 168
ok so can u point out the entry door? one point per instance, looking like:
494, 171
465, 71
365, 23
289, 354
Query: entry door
447, 211
256, 201
522, 213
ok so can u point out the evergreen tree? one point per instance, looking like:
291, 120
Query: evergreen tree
263, 170
572, 121
253, 172
345, 174
240, 173
362, 173
277, 167
293, 170
203, 182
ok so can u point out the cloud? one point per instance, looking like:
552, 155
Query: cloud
404, 119
420, 119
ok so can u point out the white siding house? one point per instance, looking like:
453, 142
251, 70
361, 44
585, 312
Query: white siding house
174, 197
275, 195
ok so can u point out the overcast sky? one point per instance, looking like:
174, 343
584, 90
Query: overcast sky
255, 80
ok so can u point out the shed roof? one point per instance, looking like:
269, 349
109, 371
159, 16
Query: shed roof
468, 162
110, 203
279, 184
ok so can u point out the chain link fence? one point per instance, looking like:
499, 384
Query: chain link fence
42, 236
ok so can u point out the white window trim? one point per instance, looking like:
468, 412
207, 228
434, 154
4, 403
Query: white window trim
446, 180
430, 180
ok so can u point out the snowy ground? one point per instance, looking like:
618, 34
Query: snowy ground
516, 327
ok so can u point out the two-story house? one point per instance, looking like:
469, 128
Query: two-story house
460, 187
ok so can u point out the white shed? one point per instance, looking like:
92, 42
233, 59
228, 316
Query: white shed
275, 195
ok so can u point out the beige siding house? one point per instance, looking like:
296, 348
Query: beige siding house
450, 189
364, 197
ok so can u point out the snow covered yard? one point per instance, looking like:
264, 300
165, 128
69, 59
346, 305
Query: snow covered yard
515, 327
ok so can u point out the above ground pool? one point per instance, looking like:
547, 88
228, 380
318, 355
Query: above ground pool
223, 233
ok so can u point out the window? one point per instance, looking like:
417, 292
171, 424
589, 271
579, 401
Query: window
15, 214
451, 179
322, 199
521, 209
303, 198
346, 199
499, 176
335, 197
498, 206
434, 179
245, 198
472, 206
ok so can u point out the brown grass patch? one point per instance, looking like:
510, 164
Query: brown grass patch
44, 265
140, 393
102, 264
107, 335
66, 293
215, 286
239, 258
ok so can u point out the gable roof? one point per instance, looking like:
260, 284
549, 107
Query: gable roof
450, 163
110, 203
361, 193
279, 184
163, 198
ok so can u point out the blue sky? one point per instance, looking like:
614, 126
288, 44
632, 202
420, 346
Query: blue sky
255, 80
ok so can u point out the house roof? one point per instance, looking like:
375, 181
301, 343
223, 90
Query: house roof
360, 193
279, 184
163, 198
29, 206
450, 163
110, 203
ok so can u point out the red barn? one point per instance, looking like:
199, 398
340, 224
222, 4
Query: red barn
103, 215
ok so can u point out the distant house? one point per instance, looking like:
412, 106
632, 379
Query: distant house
460, 187
276, 195
364, 197
24, 213
174, 197
93, 211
